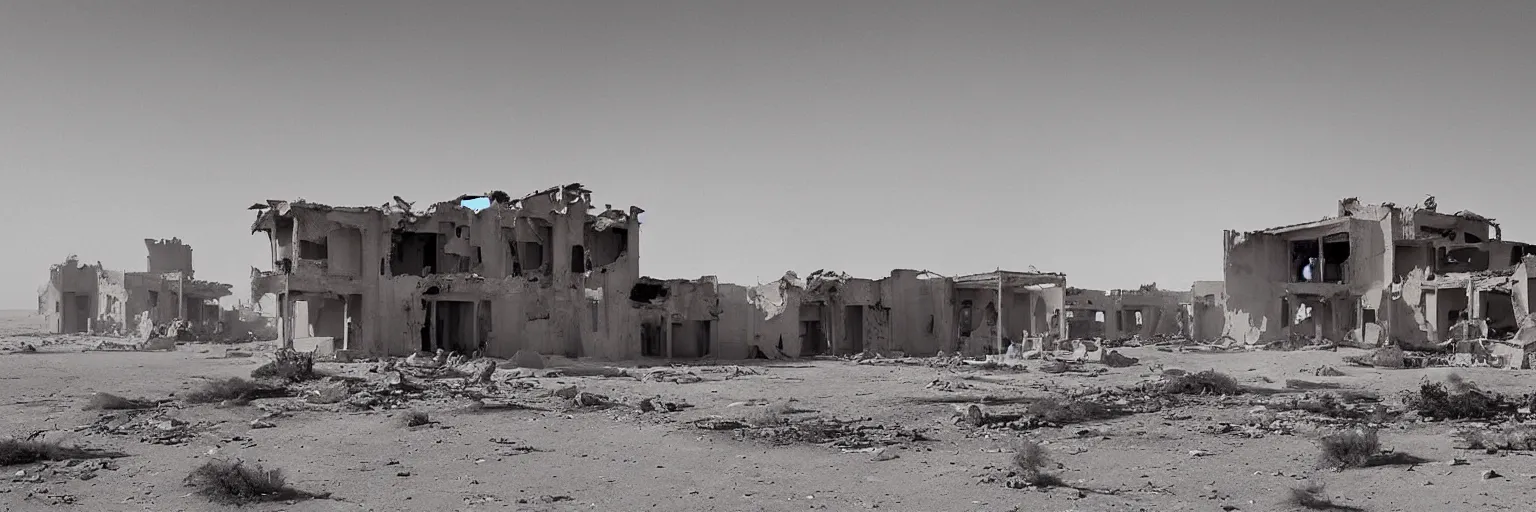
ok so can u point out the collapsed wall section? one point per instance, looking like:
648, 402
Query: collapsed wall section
1255, 268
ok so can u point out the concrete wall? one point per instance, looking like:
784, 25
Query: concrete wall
1209, 313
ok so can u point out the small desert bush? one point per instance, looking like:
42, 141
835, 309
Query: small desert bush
414, 419
1209, 382
233, 388
289, 365
1031, 462
1062, 412
1349, 449
111, 402
1461, 400
21, 451
1313, 497
238, 483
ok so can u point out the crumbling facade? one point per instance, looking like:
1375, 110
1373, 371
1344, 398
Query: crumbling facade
91, 299
547, 272
1146, 312
1373, 275
551, 274
831, 313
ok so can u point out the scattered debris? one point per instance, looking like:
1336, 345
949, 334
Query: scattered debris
1328, 371
1512, 438
109, 402
288, 365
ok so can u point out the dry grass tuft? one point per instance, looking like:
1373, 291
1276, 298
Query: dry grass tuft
1209, 382
111, 402
1313, 497
1349, 449
233, 388
20, 451
237, 483
1031, 462
1063, 412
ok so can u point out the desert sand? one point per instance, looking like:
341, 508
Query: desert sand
554, 455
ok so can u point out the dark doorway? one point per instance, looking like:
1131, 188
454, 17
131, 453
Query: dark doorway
75, 313
578, 259
690, 339
853, 328
454, 325
811, 337
653, 339
483, 320
426, 327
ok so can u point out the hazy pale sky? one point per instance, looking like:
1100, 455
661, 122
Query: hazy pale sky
1112, 141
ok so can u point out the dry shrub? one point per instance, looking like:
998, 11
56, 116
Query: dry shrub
21, 451
1208, 382
237, 483
1031, 462
233, 388
289, 365
1313, 497
111, 402
1349, 449
1062, 412
1462, 400
414, 419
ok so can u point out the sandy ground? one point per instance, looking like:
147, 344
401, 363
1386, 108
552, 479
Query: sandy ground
619, 459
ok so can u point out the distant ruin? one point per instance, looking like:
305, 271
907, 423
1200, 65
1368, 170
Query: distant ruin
87, 298
553, 273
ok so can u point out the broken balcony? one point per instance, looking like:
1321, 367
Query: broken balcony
306, 276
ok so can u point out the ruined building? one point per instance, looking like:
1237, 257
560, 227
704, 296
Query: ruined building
89, 298
1147, 312
547, 272
1375, 274
553, 274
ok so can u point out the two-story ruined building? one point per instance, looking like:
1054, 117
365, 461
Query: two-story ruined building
547, 272
552, 274
1375, 274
